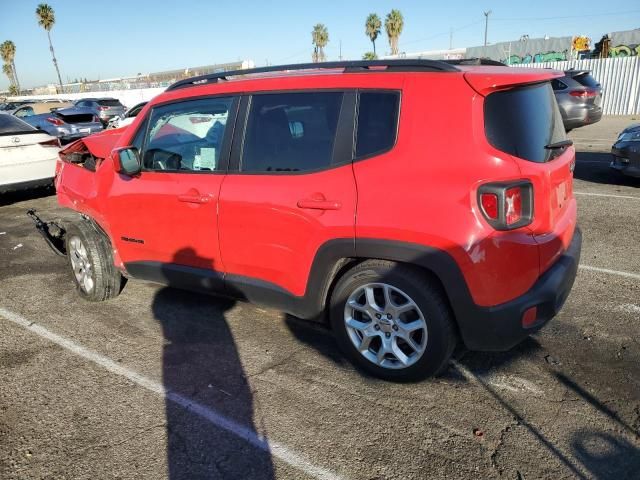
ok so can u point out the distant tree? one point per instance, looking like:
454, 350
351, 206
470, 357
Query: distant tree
319, 39
8, 54
372, 28
46, 19
370, 56
7, 69
13, 90
393, 24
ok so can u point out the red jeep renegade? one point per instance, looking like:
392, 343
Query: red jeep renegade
412, 202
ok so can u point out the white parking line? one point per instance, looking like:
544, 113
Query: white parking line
610, 272
606, 195
278, 450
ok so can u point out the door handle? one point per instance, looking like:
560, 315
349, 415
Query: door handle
189, 198
314, 204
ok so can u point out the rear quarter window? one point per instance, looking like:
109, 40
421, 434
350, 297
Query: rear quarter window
521, 121
377, 122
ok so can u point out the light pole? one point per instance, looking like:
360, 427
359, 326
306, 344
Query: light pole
486, 25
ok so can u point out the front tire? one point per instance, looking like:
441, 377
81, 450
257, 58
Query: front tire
95, 276
392, 321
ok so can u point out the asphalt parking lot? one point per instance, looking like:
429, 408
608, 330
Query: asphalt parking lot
160, 383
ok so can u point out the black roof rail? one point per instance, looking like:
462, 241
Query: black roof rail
475, 61
402, 65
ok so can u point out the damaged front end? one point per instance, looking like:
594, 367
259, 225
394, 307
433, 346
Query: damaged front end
52, 232
76, 181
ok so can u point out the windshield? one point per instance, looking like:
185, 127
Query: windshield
11, 125
521, 121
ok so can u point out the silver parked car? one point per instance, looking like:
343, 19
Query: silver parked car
104, 108
68, 124
579, 97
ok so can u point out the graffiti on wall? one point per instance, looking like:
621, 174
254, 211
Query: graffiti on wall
552, 56
625, 51
580, 44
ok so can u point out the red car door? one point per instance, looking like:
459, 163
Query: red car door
165, 219
293, 188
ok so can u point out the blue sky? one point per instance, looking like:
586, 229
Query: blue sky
112, 38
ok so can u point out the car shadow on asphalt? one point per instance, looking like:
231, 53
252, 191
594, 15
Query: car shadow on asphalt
319, 337
206, 387
593, 167
9, 198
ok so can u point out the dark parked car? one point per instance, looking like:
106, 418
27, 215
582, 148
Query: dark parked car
128, 117
626, 151
104, 108
579, 97
67, 124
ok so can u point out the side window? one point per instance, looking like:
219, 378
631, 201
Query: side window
291, 132
186, 136
135, 111
377, 122
24, 112
557, 84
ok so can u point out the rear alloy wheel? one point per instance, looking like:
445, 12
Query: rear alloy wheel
385, 325
392, 321
89, 252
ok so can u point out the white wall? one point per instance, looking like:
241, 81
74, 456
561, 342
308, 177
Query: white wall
127, 97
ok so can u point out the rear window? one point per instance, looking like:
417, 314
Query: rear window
77, 118
11, 125
586, 80
109, 103
521, 121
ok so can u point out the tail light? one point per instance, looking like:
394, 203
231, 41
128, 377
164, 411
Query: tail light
583, 93
103, 108
54, 142
56, 121
507, 205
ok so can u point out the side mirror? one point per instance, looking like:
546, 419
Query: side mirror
127, 161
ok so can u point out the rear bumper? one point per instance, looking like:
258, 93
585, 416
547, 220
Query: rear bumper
581, 116
500, 327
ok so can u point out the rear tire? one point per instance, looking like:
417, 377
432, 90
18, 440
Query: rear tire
392, 321
91, 262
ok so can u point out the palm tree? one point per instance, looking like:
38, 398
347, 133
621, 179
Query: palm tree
8, 54
393, 24
46, 18
370, 56
319, 39
8, 71
372, 28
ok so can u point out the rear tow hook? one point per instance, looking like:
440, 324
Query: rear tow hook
52, 233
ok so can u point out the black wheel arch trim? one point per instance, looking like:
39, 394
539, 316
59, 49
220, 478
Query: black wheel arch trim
330, 258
